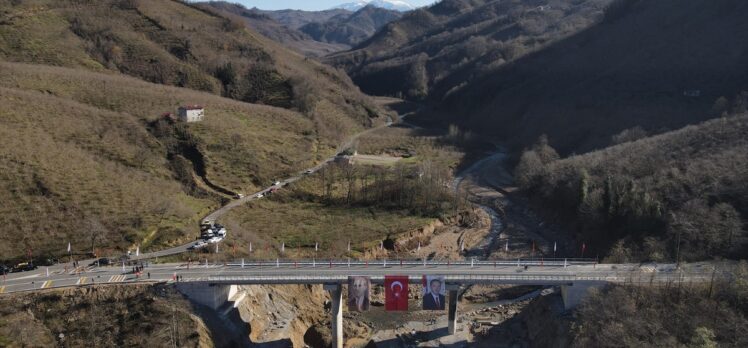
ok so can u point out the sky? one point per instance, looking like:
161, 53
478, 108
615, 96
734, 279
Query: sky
308, 5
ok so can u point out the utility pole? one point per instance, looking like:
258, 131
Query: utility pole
677, 251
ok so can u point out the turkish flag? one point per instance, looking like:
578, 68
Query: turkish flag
396, 293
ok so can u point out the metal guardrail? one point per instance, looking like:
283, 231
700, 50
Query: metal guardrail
423, 263
379, 279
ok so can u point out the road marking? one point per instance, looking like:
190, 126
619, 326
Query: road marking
47, 284
117, 279
2, 289
81, 281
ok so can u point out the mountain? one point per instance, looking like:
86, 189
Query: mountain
87, 156
351, 29
395, 5
296, 19
656, 65
263, 23
637, 200
434, 50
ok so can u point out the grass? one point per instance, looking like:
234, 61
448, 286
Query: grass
76, 151
302, 224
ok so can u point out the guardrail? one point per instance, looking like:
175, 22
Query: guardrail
379, 279
384, 263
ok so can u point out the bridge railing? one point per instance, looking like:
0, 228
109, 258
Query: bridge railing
520, 262
378, 279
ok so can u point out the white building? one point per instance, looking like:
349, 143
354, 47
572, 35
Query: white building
191, 113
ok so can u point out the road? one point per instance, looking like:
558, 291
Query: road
545, 272
215, 215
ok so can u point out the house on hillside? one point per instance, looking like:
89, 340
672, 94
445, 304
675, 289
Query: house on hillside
191, 113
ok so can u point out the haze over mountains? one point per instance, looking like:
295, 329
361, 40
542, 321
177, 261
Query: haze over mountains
396, 5
314, 33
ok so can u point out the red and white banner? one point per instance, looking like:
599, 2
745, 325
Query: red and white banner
396, 293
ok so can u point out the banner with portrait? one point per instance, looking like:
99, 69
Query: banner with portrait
359, 293
434, 293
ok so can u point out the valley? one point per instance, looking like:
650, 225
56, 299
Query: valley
543, 173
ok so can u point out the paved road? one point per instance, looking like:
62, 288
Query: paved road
312, 272
214, 216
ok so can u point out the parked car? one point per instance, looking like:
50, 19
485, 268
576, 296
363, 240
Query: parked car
260, 195
23, 266
239, 196
308, 171
277, 183
101, 262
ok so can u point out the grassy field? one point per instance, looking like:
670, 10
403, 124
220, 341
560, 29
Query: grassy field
301, 224
78, 156
361, 203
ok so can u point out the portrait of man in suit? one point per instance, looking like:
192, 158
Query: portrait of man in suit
433, 297
358, 294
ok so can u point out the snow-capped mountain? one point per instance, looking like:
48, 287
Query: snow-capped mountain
397, 5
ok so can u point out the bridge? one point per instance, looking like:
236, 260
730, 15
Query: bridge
215, 285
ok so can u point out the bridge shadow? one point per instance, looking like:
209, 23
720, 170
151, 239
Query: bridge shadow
229, 330
413, 340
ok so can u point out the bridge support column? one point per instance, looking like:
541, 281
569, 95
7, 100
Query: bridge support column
336, 295
452, 315
574, 294
210, 295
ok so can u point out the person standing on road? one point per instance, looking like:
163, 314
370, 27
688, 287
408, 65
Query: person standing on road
149, 275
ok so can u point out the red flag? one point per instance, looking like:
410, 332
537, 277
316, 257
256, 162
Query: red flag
396, 293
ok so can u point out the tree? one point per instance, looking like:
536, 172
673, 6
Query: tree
703, 338
705, 231
96, 231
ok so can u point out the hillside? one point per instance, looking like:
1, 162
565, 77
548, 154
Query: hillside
173, 43
105, 160
85, 147
350, 30
109, 316
683, 192
393, 5
657, 65
263, 23
296, 19
433, 50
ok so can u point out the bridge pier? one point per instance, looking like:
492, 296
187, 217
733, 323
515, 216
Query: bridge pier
336, 295
574, 294
452, 315
211, 295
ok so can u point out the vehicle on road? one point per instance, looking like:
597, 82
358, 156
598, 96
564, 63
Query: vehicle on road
308, 171
23, 266
4, 269
239, 196
101, 262
260, 195
199, 244
277, 183
215, 239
